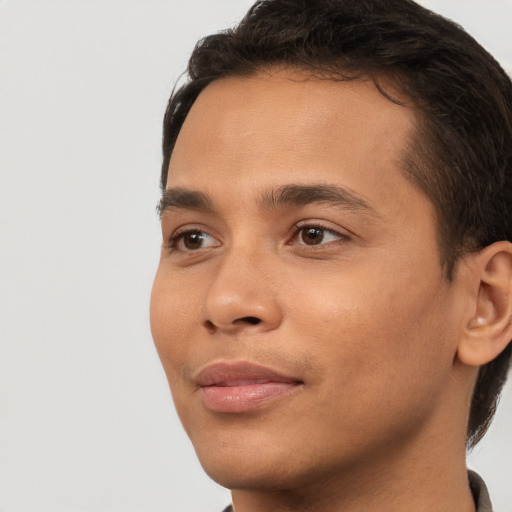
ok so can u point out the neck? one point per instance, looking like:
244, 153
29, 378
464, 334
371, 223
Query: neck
410, 479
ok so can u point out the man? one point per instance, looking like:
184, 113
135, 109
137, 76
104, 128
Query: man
333, 302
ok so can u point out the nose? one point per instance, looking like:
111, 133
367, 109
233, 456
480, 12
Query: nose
242, 296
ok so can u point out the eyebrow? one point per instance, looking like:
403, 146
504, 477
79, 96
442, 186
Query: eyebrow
303, 195
286, 195
183, 199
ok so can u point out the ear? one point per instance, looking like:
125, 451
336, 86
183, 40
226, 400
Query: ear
488, 331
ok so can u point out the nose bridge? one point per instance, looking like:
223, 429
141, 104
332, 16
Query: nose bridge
243, 292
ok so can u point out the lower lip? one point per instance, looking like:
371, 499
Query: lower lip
238, 399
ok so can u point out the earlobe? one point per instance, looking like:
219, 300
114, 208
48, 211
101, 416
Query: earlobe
489, 329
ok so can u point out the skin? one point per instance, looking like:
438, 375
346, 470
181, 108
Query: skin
364, 317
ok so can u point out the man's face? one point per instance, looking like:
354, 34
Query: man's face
299, 308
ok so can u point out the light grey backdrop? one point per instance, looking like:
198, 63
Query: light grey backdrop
86, 422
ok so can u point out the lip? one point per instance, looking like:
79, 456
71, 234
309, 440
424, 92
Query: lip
241, 386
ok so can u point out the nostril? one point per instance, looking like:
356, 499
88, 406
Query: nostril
210, 327
250, 320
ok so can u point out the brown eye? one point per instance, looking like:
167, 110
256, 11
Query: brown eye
194, 240
312, 235
316, 234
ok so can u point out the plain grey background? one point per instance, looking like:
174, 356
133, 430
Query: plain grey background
86, 422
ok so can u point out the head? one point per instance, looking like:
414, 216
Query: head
460, 154
336, 178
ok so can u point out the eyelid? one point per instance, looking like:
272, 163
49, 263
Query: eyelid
343, 234
177, 236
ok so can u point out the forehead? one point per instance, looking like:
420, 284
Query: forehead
286, 126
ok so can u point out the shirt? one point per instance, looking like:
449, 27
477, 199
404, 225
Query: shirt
480, 493
478, 488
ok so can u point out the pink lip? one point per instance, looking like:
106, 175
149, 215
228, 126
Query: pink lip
241, 387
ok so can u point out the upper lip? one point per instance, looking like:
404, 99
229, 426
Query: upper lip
238, 374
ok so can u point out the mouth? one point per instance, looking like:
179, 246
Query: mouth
241, 387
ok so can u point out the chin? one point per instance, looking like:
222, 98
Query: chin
245, 462
250, 474
264, 464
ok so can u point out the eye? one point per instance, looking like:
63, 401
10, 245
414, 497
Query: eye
316, 235
192, 240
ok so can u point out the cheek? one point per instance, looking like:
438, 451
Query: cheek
388, 329
172, 317
381, 362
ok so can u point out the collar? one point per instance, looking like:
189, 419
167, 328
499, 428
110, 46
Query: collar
480, 492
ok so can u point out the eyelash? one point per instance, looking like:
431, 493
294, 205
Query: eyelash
299, 227
178, 236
